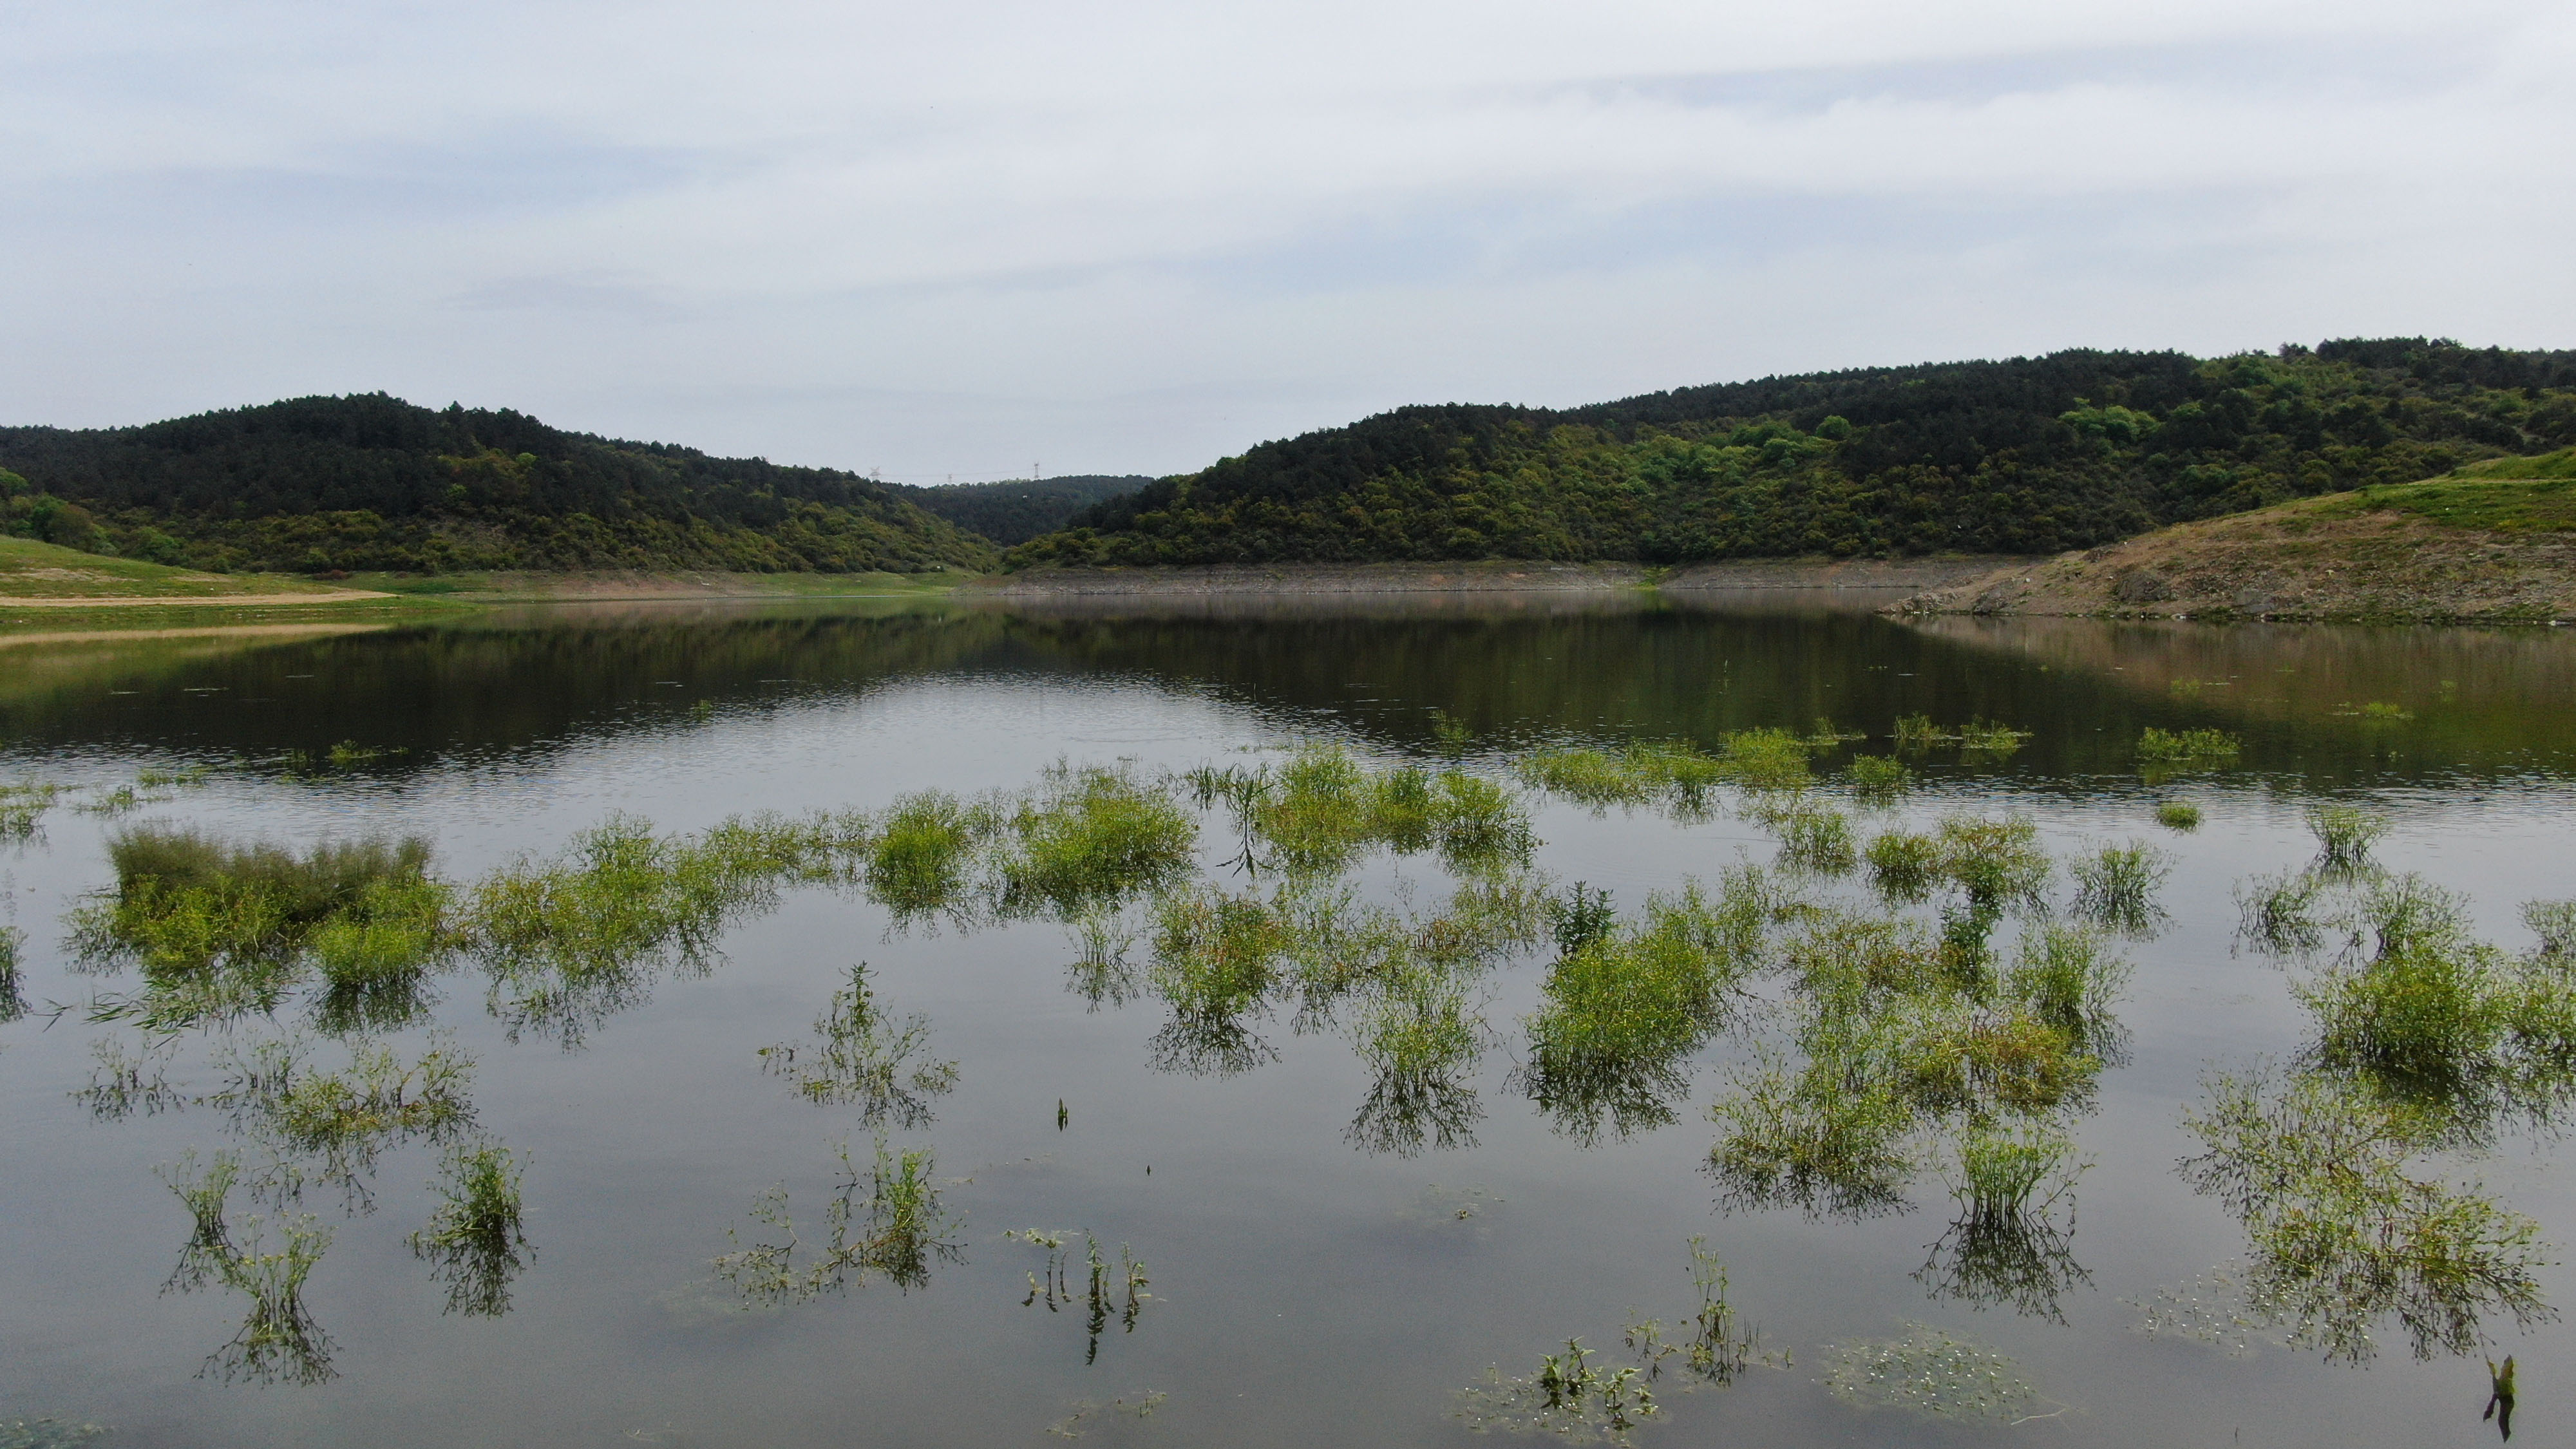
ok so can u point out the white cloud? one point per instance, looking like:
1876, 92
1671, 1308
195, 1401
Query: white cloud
1132, 237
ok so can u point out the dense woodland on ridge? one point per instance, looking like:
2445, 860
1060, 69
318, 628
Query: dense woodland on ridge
1017, 510
2030, 455
2027, 455
327, 484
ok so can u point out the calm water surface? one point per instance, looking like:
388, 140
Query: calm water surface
1305, 1290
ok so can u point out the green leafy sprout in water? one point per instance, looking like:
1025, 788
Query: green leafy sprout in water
476, 1242
2178, 815
896, 1232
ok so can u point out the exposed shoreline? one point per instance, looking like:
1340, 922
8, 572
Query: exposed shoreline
1482, 576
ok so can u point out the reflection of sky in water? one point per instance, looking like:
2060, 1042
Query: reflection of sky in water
1304, 1296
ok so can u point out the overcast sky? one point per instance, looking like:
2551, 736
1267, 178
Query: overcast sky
966, 237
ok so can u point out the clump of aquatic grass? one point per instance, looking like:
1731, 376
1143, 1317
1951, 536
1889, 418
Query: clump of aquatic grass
1090, 836
206, 1195
476, 1241
1568, 1398
1932, 1373
566, 939
2178, 815
1831, 1138
2068, 978
2554, 922
1990, 738
2377, 712
181, 778
1675, 772
123, 800
341, 1121
1903, 866
2277, 913
1814, 839
1453, 734
1587, 777
2115, 887
1917, 732
279, 1340
2343, 1234
1216, 958
1324, 810
896, 1231
920, 854
865, 1058
1618, 1015
1719, 1350
2167, 747
1420, 1037
1879, 777
22, 805
1997, 863
1477, 827
123, 1084
2344, 835
1580, 917
2010, 1243
220, 929
13, 1001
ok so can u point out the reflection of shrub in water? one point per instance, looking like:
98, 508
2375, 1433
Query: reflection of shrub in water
1420, 1038
13, 1001
2010, 1244
341, 1121
2343, 1234
279, 1339
476, 1240
865, 1058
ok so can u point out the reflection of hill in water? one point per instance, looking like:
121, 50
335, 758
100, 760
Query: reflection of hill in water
1514, 670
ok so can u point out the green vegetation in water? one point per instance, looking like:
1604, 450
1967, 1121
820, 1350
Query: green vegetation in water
2178, 815
1110, 1292
1092, 836
2012, 1240
221, 929
1931, 1373
1719, 1349
1620, 1012
279, 1340
1216, 958
2345, 834
1420, 1037
124, 1084
22, 805
568, 940
1675, 775
2376, 712
1814, 839
329, 1127
1916, 733
1995, 865
897, 1231
2554, 923
2172, 747
1567, 1398
866, 1058
1322, 811
13, 999
476, 1242
1879, 778
2343, 1234
2115, 888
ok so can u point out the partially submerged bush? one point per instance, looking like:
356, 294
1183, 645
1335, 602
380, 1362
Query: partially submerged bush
21, 806
1878, 777
1094, 836
897, 1231
2115, 887
2178, 815
2068, 978
2343, 1234
2344, 834
867, 1059
2156, 746
1814, 839
476, 1241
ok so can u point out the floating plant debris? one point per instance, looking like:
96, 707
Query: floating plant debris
1932, 1373
1566, 1397
1139, 1405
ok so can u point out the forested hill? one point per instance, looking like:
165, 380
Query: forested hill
2030, 455
326, 484
1017, 511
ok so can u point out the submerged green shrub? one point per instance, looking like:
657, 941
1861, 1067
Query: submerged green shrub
2277, 913
897, 1231
2344, 834
866, 1059
2343, 1234
21, 806
1813, 838
1879, 777
2115, 887
2177, 815
2068, 978
476, 1241
1903, 866
1093, 836
1619, 1013
918, 855
2156, 746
